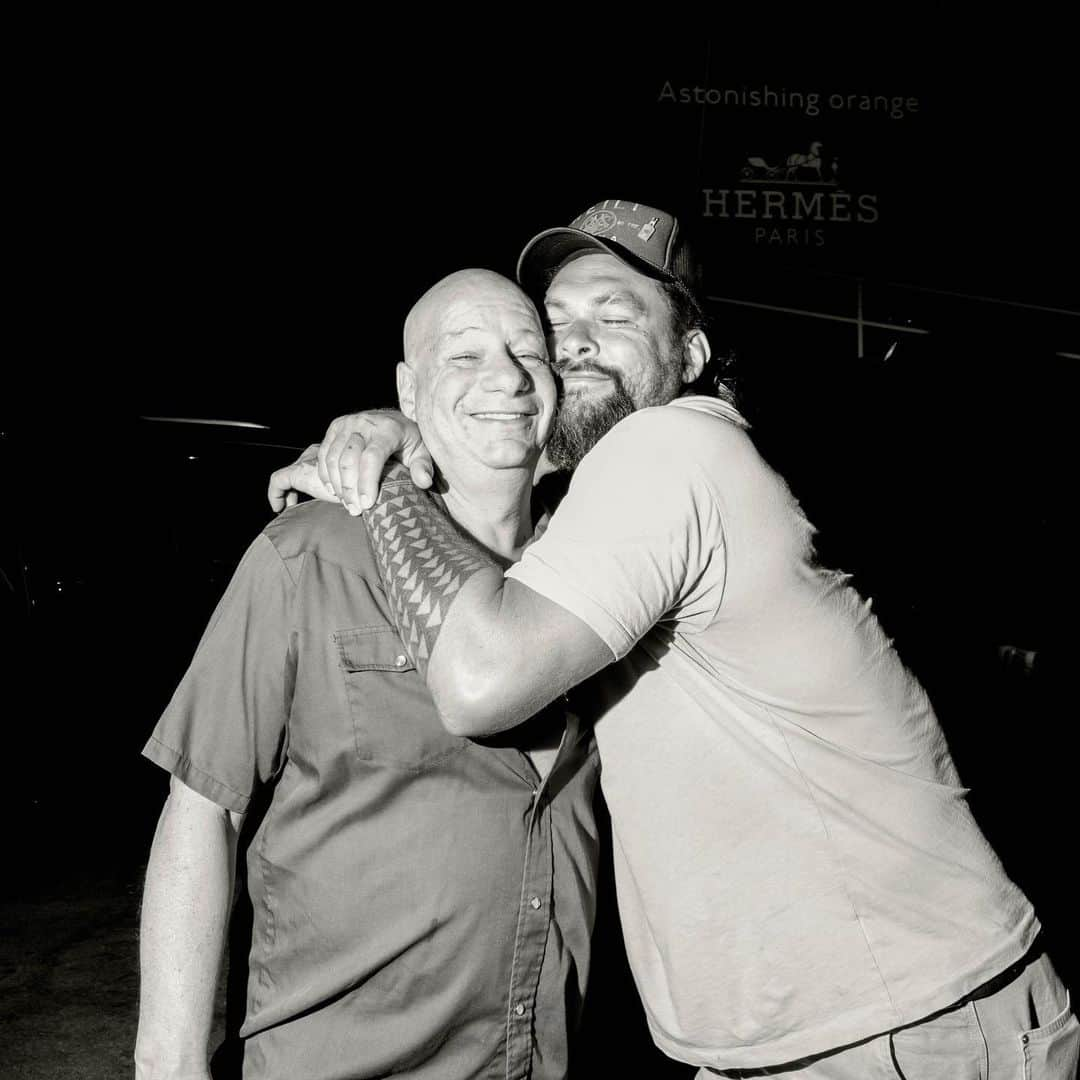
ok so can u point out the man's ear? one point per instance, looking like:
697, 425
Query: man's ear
406, 389
696, 353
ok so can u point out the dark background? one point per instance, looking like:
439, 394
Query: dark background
231, 227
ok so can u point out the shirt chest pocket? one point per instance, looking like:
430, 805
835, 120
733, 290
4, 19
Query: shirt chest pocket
394, 720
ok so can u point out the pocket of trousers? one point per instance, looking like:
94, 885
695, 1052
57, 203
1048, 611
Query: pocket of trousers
1053, 1051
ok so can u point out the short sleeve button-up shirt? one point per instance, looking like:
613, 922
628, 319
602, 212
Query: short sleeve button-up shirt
422, 903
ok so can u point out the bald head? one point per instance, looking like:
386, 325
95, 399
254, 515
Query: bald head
475, 376
452, 298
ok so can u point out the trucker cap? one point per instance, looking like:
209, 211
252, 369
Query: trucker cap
644, 237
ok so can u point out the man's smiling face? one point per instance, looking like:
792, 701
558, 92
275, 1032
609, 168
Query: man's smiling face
476, 377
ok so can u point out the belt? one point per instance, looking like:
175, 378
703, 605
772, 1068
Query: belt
1002, 979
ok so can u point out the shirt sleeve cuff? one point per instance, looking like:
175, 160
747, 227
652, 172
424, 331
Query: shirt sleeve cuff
537, 575
202, 782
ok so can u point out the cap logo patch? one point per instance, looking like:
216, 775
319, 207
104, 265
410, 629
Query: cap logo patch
648, 228
600, 221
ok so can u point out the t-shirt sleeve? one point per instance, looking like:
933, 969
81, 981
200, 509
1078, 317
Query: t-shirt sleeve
637, 540
223, 732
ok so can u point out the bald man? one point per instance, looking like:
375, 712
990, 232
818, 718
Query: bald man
421, 903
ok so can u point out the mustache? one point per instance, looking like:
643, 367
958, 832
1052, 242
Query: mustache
618, 385
562, 370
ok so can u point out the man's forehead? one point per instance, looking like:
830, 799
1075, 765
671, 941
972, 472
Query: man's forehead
603, 277
505, 314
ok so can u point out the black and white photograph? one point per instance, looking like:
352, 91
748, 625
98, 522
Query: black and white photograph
539, 557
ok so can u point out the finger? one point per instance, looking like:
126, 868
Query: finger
421, 474
323, 464
322, 451
305, 479
421, 467
303, 476
334, 450
286, 484
349, 467
280, 484
371, 466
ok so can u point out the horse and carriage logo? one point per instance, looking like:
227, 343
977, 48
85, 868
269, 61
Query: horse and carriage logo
794, 200
798, 168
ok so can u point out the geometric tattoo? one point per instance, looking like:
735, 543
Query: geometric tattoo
424, 559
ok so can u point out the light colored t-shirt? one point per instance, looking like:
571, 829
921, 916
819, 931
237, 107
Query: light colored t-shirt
796, 863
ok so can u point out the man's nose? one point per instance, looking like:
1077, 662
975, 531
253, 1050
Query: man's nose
575, 343
504, 372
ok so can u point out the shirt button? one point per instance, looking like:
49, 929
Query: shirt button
519, 1010
1024, 1039
400, 660
534, 903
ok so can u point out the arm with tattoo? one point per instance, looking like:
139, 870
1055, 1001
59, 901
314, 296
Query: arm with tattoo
492, 651
424, 559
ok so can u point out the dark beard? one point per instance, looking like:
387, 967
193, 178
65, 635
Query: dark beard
578, 429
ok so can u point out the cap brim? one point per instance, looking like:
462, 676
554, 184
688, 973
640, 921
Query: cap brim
550, 249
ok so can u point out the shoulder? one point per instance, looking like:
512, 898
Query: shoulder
324, 530
681, 436
693, 453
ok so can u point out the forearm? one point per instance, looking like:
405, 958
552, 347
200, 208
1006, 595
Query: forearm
483, 672
493, 652
185, 911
